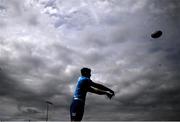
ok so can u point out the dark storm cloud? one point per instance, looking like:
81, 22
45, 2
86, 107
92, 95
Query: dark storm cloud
28, 101
27, 70
12, 89
22, 78
7, 82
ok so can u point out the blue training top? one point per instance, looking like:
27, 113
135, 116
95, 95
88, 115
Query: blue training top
82, 87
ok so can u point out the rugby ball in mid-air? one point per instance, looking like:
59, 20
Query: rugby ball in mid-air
156, 34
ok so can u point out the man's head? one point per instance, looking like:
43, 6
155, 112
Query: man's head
86, 72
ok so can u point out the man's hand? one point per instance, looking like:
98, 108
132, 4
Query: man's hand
112, 92
109, 95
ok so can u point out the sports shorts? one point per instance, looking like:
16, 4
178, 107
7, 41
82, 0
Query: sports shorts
77, 110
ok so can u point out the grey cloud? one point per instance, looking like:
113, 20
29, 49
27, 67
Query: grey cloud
2, 8
18, 12
14, 7
30, 111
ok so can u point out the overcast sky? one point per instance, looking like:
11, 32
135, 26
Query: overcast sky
45, 43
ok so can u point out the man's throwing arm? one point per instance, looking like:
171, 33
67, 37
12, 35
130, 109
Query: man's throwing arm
101, 87
96, 91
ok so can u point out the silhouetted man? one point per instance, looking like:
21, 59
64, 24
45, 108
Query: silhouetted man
84, 85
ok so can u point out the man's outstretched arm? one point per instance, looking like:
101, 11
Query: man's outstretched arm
100, 92
101, 87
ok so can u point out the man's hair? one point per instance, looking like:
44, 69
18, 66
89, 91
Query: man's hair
85, 71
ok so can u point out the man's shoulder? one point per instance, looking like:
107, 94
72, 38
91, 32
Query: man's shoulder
82, 78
